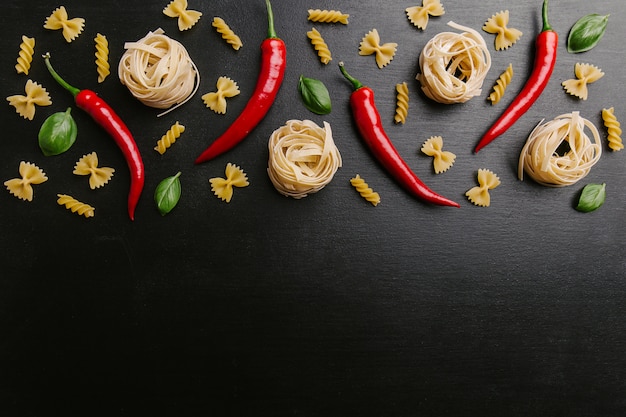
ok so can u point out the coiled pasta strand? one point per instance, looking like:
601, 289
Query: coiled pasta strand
75, 206
328, 16
102, 57
320, 46
364, 189
501, 84
25, 57
613, 128
227, 33
402, 102
169, 138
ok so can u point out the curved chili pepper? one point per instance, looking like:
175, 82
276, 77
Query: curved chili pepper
371, 129
545, 57
104, 115
271, 74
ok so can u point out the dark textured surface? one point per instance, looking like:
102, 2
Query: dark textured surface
325, 306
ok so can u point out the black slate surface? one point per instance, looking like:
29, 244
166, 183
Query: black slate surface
326, 306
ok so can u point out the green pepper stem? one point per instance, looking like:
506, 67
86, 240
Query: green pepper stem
58, 78
356, 84
271, 31
544, 15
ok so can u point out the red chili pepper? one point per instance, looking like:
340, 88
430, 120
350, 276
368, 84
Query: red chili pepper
371, 129
546, 46
104, 115
273, 63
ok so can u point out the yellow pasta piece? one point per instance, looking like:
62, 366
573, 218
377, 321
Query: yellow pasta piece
25, 56
328, 16
442, 160
227, 33
419, 15
102, 57
402, 102
169, 138
479, 195
223, 187
371, 45
186, 18
75, 206
216, 101
22, 188
505, 36
613, 128
320, 46
501, 84
59, 20
585, 74
35, 95
364, 189
88, 165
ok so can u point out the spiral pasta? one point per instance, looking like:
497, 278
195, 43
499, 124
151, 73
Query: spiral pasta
323, 52
25, 56
498, 25
75, 206
454, 65
364, 189
501, 84
227, 33
328, 16
169, 138
542, 158
22, 188
614, 131
303, 158
402, 102
158, 71
88, 165
102, 57
419, 15
59, 20
370, 44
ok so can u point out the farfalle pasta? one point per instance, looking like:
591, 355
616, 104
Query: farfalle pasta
585, 74
168, 139
186, 18
502, 83
102, 57
614, 131
323, 52
22, 188
88, 165
419, 15
216, 101
75, 206
479, 195
370, 45
59, 20
25, 56
36, 95
402, 102
442, 160
328, 16
227, 33
223, 187
498, 25
364, 190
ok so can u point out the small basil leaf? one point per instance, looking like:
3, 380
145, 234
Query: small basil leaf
57, 133
586, 33
592, 197
167, 194
315, 95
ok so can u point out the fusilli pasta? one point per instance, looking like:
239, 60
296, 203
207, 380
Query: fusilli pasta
102, 57
479, 195
323, 52
59, 20
216, 101
505, 36
88, 165
169, 138
223, 187
585, 74
186, 18
328, 16
75, 206
419, 15
402, 102
614, 131
370, 44
364, 189
22, 187
442, 160
25, 56
227, 33
501, 84
35, 95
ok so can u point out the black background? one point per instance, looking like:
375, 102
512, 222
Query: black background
325, 306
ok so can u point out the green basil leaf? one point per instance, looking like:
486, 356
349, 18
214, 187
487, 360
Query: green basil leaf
167, 194
57, 133
592, 197
315, 95
586, 33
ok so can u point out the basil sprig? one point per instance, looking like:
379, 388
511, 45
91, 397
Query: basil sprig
586, 32
592, 197
315, 95
167, 194
57, 133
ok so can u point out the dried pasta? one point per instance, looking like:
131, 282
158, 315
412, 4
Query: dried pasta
328, 16
323, 52
88, 165
168, 139
158, 71
303, 158
402, 102
227, 33
501, 84
498, 25
614, 131
442, 160
35, 95
585, 74
223, 187
22, 188
479, 195
186, 18
544, 161
216, 101
25, 56
370, 45
60, 20
419, 15
102, 57
364, 189
454, 65
76, 206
